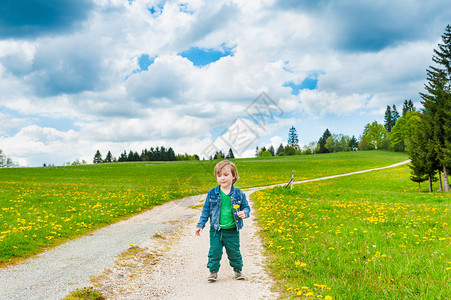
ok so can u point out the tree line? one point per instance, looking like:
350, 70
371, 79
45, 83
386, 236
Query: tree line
153, 154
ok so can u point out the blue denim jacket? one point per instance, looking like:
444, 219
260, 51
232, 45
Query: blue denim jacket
212, 207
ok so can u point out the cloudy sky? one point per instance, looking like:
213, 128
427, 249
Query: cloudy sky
78, 76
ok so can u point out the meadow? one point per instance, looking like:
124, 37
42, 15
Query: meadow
43, 207
366, 236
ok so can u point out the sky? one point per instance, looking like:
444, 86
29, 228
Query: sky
77, 76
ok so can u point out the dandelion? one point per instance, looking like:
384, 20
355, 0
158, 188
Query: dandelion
328, 297
236, 206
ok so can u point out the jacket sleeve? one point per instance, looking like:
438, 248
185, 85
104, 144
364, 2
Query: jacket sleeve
245, 206
205, 213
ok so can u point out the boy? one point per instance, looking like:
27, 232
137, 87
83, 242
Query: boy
226, 206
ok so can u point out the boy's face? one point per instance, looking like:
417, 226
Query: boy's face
225, 178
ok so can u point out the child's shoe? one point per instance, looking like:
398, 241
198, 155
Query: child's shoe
213, 277
239, 275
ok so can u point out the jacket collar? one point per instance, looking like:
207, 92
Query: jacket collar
218, 189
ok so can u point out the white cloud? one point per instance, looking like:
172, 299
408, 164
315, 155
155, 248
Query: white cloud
33, 143
317, 104
89, 74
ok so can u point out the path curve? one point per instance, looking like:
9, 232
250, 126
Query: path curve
173, 267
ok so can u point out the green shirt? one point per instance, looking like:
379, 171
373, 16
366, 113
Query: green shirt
226, 220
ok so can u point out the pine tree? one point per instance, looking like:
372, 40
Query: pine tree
122, 157
394, 116
230, 154
353, 143
271, 150
293, 140
109, 157
422, 153
280, 149
97, 158
388, 119
407, 107
437, 103
322, 142
171, 154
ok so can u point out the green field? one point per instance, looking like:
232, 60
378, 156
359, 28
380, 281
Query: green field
43, 207
366, 236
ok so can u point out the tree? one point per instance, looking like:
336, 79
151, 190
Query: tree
403, 130
374, 134
280, 149
331, 144
5, 161
293, 140
271, 150
422, 154
290, 150
322, 142
109, 157
122, 157
230, 155
436, 111
363, 145
407, 107
219, 155
437, 103
310, 148
388, 119
98, 158
443, 58
353, 144
265, 153
394, 116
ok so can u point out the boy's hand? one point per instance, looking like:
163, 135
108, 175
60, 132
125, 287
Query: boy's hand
241, 214
198, 231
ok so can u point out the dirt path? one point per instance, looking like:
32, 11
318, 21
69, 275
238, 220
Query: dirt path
174, 267
161, 259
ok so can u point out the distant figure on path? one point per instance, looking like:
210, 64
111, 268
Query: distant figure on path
226, 207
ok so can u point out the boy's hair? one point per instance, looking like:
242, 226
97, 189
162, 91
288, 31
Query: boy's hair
220, 165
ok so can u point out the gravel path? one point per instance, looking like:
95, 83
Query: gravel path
175, 268
161, 259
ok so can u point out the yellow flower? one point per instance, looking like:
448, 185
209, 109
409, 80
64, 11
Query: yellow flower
236, 206
328, 297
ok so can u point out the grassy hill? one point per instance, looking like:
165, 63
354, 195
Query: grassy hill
43, 207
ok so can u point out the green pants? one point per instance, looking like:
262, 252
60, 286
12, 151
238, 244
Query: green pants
230, 239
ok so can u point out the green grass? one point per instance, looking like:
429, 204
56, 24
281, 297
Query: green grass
84, 294
366, 236
43, 207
